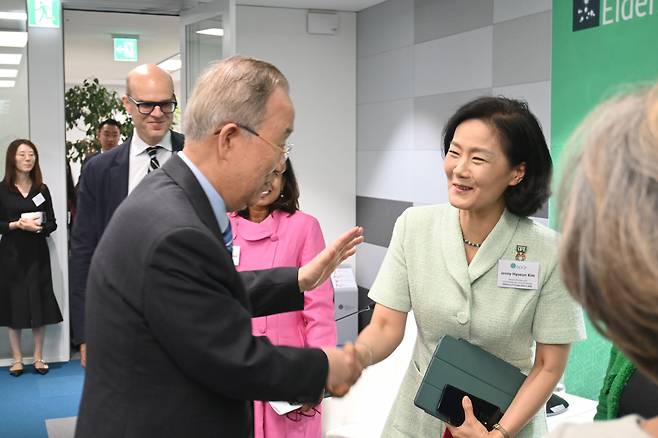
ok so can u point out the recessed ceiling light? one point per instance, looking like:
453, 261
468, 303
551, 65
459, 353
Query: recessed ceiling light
20, 16
13, 39
7, 84
8, 72
214, 31
10, 58
171, 64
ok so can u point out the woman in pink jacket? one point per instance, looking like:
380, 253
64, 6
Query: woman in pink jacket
272, 232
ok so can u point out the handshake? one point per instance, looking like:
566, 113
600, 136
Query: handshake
345, 367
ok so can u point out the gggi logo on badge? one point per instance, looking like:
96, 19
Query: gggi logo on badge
517, 266
585, 14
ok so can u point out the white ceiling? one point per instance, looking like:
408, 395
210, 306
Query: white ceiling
334, 5
173, 7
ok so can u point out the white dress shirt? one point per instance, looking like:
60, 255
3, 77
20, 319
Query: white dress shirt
140, 161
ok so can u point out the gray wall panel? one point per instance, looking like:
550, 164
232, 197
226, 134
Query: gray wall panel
522, 50
385, 76
386, 26
385, 125
454, 63
377, 217
437, 19
509, 9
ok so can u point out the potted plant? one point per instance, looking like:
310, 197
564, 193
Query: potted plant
86, 106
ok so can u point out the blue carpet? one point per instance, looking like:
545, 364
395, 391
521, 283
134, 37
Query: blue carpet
26, 402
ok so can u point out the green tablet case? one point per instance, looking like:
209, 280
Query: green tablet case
471, 369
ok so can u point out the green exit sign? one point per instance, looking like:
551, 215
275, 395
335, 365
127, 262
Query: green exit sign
125, 49
43, 13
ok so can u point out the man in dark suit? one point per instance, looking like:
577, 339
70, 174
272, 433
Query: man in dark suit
107, 179
171, 350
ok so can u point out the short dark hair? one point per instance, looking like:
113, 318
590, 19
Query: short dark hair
110, 122
288, 201
10, 164
521, 137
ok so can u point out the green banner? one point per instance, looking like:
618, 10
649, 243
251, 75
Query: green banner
599, 48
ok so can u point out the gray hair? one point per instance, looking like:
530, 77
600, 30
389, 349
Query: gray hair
609, 248
233, 90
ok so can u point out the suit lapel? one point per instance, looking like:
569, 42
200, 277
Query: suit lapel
119, 174
177, 141
494, 246
183, 176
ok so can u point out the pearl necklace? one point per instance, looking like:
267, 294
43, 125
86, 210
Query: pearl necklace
469, 243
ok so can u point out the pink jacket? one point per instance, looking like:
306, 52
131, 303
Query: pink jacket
287, 240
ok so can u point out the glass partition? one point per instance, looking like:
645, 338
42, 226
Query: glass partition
204, 41
14, 117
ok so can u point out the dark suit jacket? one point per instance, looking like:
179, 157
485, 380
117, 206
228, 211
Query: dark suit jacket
103, 185
169, 341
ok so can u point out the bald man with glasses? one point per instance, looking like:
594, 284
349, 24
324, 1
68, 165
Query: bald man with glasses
108, 179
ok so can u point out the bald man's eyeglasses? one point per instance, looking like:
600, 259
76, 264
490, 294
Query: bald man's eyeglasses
146, 108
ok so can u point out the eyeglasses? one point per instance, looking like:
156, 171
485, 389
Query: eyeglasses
297, 415
286, 148
146, 108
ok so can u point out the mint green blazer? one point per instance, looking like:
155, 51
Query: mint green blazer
425, 271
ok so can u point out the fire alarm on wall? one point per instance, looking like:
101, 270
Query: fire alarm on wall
322, 22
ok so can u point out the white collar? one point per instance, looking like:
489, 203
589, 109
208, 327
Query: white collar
138, 146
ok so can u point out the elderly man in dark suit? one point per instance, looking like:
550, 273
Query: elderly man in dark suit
171, 350
107, 179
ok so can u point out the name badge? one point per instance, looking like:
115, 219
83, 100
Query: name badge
518, 274
38, 199
236, 255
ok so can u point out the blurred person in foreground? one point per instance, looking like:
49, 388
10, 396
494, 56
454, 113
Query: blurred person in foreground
609, 248
169, 335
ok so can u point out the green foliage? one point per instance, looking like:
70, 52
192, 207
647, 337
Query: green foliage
87, 105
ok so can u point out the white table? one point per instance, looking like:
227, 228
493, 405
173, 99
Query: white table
580, 410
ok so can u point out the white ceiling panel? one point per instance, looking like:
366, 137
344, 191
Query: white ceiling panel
173, 7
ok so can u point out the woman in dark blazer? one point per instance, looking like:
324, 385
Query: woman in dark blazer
26, 219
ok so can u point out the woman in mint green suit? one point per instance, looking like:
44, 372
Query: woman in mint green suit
447, 264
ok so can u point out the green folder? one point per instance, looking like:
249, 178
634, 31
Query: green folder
469, 368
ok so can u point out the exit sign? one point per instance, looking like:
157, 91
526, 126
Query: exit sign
125, 49
43, 13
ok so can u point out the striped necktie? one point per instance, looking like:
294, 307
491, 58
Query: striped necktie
153, 155
227, 234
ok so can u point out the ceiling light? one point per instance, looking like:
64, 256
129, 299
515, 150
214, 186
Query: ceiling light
10, 58
7, 84
8, 72
171, 64
214, 31
13, 39
20, 16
